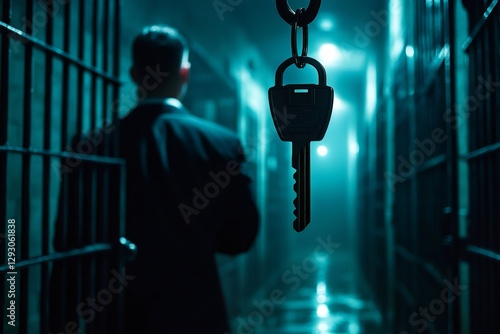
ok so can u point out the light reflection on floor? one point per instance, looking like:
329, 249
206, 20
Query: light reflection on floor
332, 300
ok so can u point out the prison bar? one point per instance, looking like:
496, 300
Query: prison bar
65, 56
60, 256
47, 125
26, 168
99, 212
4, 105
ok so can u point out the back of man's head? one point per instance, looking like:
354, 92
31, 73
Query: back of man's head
159, 47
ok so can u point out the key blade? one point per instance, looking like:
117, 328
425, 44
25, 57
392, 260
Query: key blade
301, 163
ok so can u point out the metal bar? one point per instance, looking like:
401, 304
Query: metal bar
81, 71
75, 156
74, 253
483, 253
122, 230
433, 71
26, 169
103, 184
93, 108
44, 320
103, 181
116, 63
480, 25
67, 59
479, 153
452, 154
432, 163
30, 40
496, 60
4, 111
105, 36
79, 223
118, 315
91, 266
91, 193
103, 177
106, 112
65, 78
428, 268
406, 294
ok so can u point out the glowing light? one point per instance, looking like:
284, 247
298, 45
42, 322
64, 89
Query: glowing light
340, 105
326, 25
329, 54
322, 151
321, 288
321, 299
410, 51
254, 94
354, 328
322, 327
354, 148
371, 91
322, 311
396, 31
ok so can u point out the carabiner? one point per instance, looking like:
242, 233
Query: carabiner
289, 15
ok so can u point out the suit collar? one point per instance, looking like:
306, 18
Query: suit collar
170, 101
162, 105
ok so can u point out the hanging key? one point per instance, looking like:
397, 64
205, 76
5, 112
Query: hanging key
301, 114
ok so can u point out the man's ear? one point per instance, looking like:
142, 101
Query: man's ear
184, 72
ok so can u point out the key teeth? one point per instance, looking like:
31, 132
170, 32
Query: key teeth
295, 188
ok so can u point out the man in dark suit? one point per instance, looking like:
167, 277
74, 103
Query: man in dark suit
187, 197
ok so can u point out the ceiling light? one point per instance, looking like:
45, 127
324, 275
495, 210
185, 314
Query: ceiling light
329, 54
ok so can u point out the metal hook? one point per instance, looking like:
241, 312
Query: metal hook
305, 18
305, 39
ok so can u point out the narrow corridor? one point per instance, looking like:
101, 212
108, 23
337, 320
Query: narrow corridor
327, 295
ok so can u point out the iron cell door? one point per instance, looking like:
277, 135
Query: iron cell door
481, 247
59, 65
425, 164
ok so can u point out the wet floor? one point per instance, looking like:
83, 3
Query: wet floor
322, 295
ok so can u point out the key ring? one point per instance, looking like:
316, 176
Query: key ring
289, 15
305, 39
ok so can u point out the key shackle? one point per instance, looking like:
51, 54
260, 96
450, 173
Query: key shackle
305, 60
305, 18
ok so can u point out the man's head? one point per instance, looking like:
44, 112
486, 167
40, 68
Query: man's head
160, 62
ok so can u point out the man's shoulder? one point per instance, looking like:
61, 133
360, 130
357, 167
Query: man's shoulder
174, 121
180, 117
209, 127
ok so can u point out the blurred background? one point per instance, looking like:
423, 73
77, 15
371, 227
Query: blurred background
404, 234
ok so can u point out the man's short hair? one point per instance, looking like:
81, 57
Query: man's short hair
159, 45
